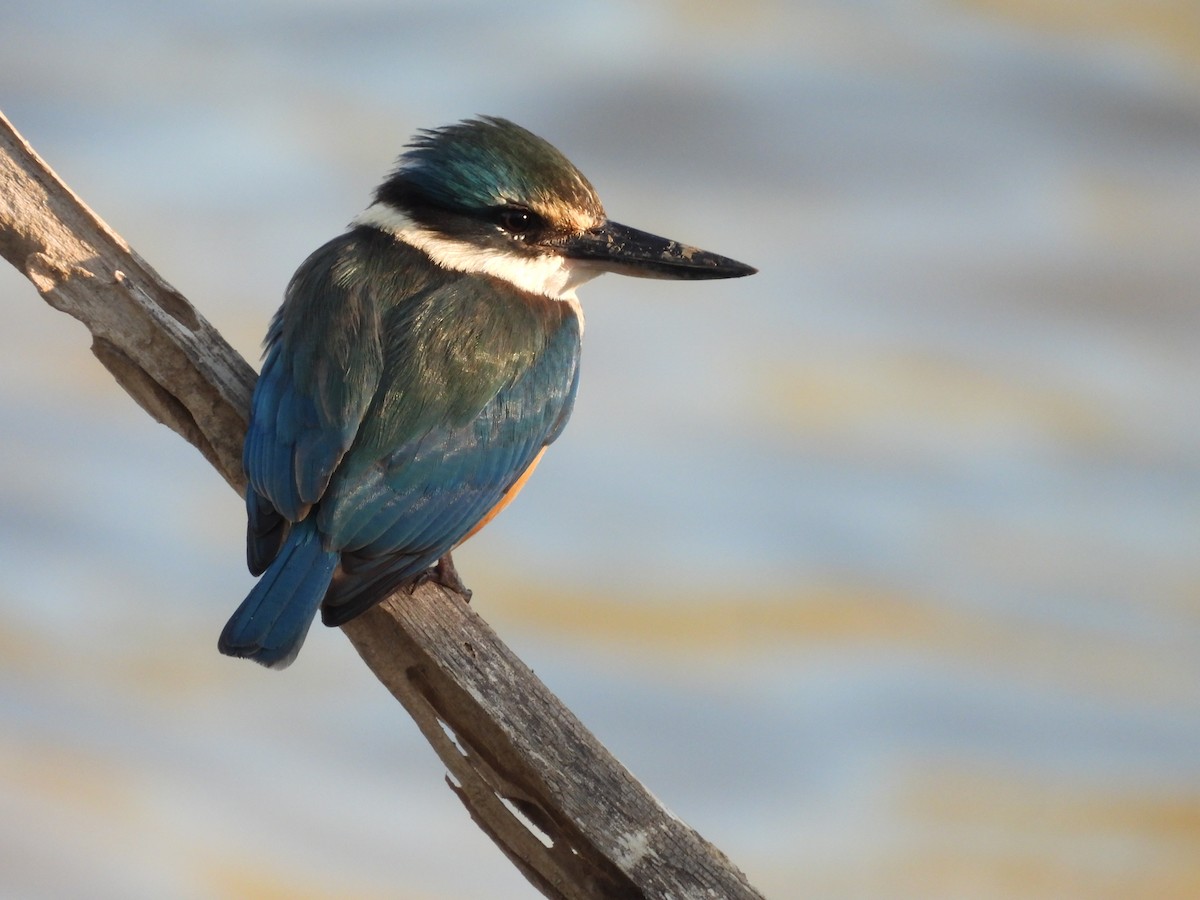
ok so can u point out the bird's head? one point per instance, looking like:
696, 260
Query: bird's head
489, 197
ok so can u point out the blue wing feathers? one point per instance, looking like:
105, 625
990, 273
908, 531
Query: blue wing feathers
265, 532
307, 406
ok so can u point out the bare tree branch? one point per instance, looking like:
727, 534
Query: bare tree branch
567, 814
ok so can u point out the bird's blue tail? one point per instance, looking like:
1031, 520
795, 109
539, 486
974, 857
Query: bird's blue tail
274, 619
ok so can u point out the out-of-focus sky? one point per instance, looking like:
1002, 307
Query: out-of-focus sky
879, 568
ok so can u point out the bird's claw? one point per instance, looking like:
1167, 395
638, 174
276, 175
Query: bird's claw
445, 574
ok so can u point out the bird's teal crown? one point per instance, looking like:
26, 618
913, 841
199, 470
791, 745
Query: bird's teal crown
488, 162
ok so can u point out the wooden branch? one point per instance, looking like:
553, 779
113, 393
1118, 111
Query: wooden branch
567, 814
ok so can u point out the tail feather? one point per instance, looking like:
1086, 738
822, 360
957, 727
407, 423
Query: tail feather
272, 622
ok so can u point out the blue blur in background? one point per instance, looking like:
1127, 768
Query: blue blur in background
880, 568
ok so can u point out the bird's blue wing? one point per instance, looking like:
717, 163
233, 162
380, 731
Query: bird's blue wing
320, 373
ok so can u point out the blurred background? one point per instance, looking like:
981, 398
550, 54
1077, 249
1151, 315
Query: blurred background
879, 568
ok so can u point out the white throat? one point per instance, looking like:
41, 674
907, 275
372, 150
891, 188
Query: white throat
550, 275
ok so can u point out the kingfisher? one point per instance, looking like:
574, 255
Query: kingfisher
419, 367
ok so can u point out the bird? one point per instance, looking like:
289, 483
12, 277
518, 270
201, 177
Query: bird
418, 368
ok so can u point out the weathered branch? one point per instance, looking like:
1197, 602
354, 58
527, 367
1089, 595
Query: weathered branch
586, 828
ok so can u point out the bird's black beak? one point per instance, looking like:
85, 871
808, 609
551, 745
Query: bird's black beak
627, 251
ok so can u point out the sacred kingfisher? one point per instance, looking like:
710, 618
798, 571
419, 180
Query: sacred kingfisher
418, 368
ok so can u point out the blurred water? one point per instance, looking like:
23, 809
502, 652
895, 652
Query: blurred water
879, 568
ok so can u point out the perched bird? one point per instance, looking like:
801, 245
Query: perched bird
418, 368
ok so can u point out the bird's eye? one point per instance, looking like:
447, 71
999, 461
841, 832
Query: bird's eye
518, 220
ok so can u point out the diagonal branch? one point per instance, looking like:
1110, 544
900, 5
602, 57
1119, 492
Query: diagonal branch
569, 816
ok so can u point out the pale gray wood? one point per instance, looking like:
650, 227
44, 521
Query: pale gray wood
587, 828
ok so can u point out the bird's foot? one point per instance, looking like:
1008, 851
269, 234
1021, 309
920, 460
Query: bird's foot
445, 574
